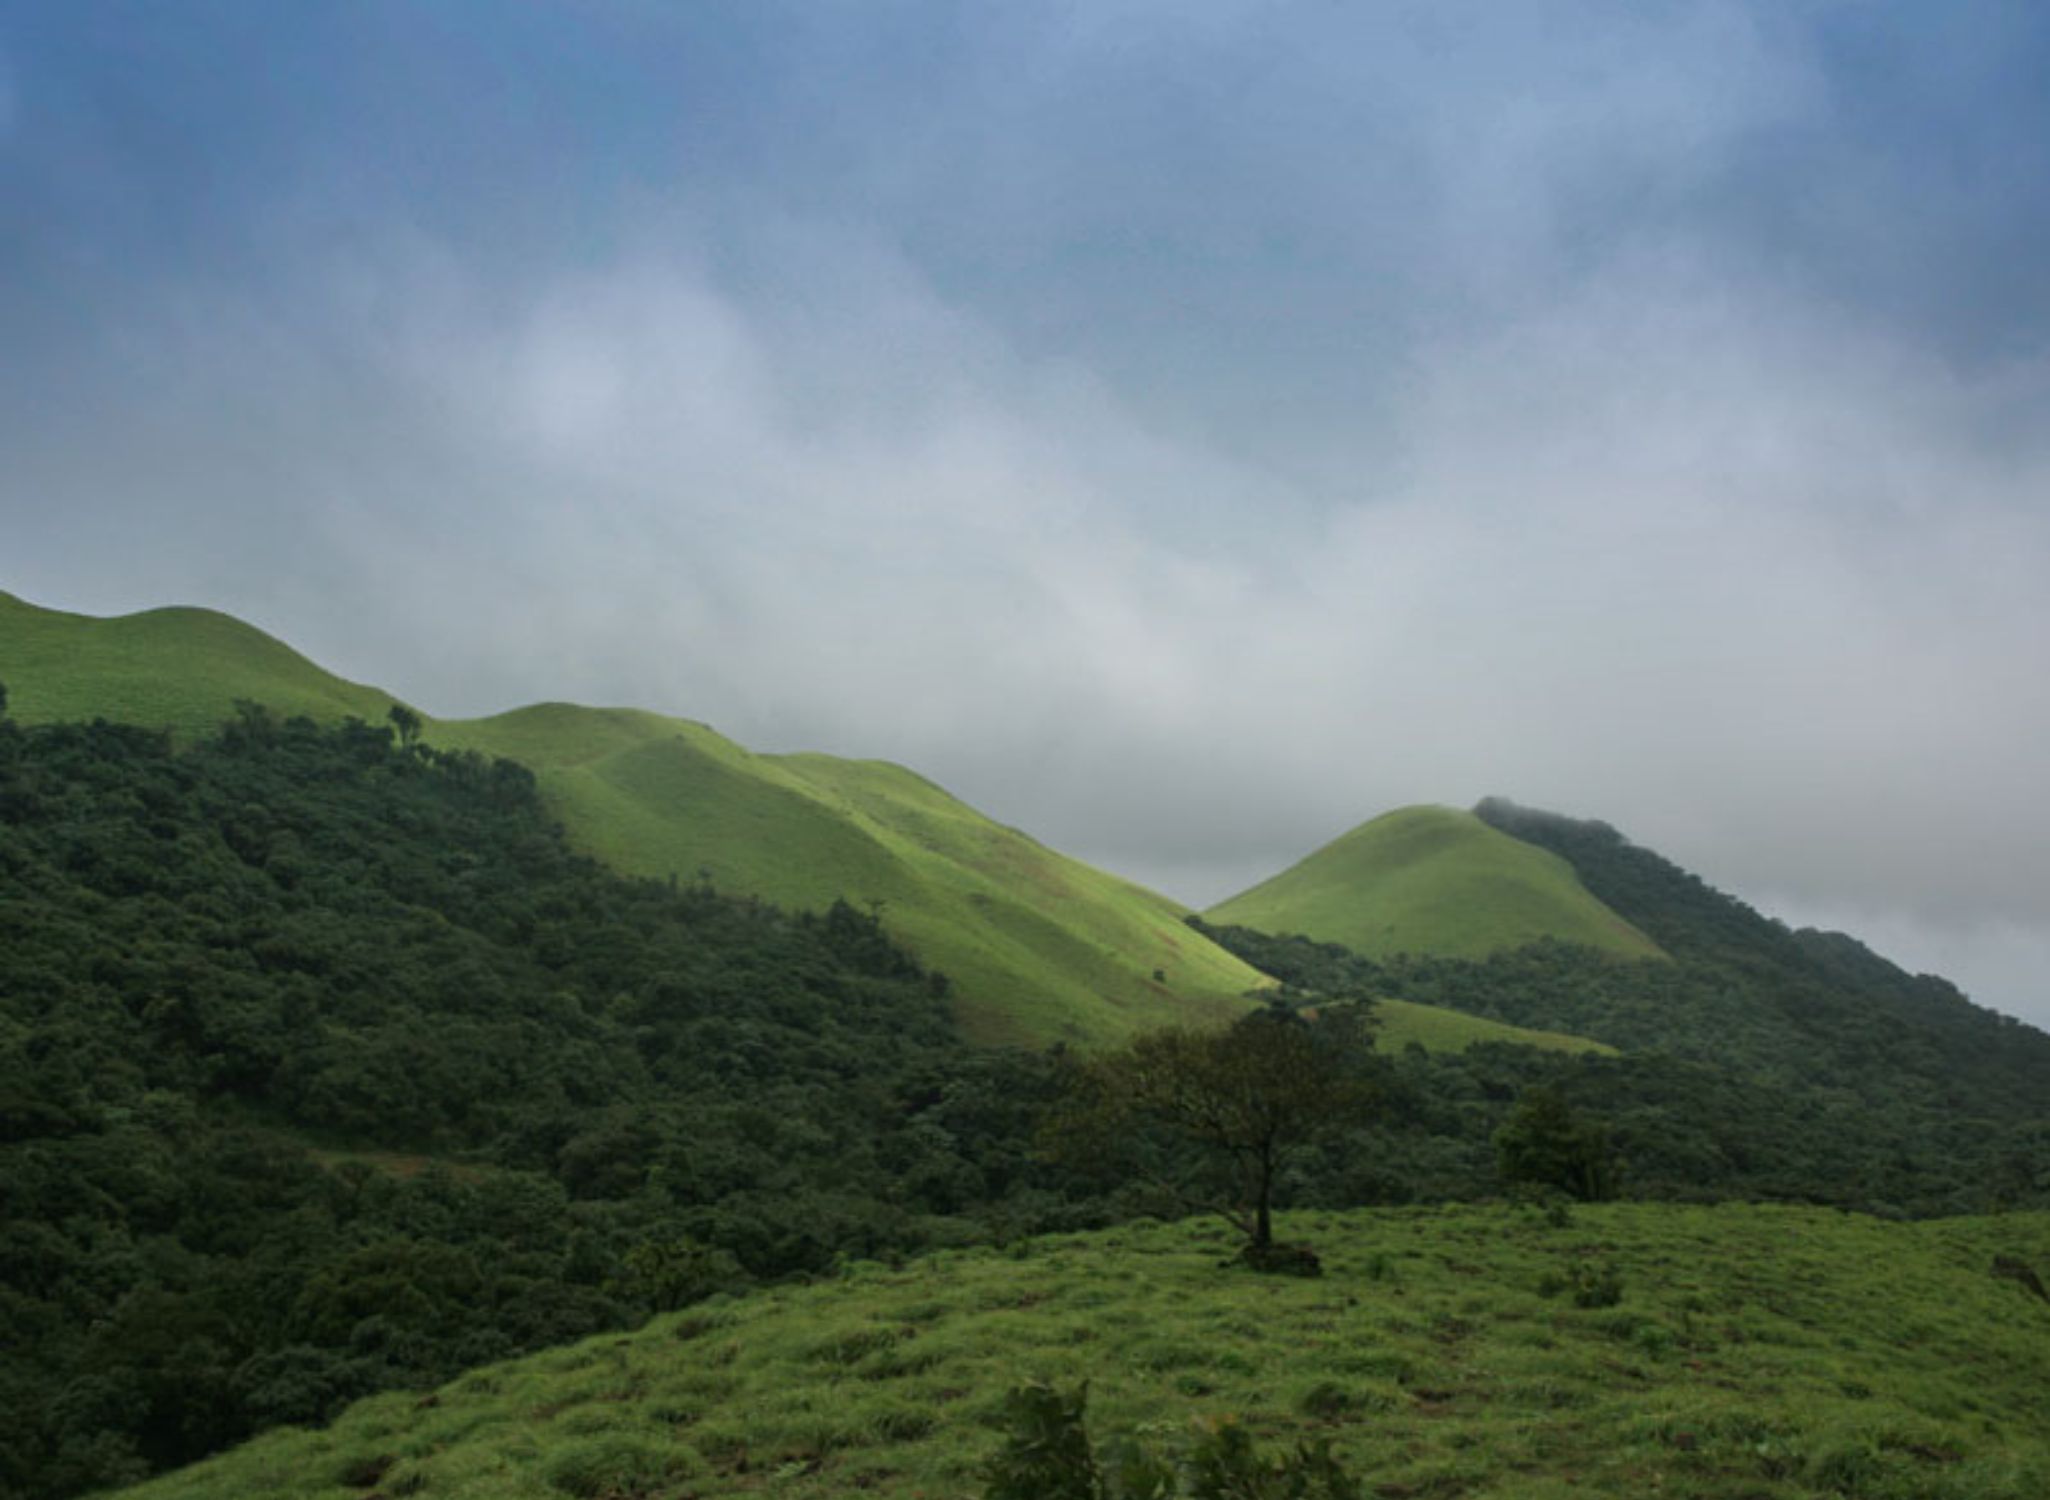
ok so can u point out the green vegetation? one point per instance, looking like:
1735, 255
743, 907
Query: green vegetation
1755, 1063
1405, 1023
1237, 1101
1039, 947
1431, 880
1777, 1353
176, 669
326, 1067
1049, 1455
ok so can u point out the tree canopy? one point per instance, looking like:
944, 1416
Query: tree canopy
1234, 1101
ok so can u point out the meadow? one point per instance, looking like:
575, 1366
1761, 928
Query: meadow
1474, 1351
1432, 880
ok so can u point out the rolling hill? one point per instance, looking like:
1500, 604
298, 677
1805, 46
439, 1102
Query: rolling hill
1432, 880
1779, 1353
1039, 947
179, 669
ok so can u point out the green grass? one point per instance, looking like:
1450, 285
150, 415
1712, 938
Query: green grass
1435, 1029
1432, 880
176, 669
1764, 1353
1040, 947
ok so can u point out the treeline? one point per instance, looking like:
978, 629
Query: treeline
1804, 1001
1747, 1071
326, 1067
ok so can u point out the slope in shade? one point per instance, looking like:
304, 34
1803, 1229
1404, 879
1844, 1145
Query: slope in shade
1039, 947
1432, 880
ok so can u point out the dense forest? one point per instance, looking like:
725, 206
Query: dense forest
327, 1067
1775, 1001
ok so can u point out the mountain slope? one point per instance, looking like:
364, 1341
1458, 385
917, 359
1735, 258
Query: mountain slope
1820, 1005
1432, 880
178, 669
1783, 1353
1039, 947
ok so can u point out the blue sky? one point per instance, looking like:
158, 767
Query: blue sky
1183, 430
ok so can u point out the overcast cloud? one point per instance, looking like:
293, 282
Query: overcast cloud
1183, 431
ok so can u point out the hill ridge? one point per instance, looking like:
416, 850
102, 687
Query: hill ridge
1431, 879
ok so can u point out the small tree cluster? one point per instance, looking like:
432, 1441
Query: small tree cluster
1547, 1143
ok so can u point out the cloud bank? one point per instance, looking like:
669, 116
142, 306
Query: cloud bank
1181, 438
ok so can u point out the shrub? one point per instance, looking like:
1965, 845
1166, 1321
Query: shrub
1047, 1455
615, 1465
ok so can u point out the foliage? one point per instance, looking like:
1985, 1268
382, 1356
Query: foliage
1546, 1142
1237, 1100
1783, 1003
1751, 1070
326, 1067
1047, 1455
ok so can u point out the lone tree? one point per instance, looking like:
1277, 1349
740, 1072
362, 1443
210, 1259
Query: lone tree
1231, 1104
405, 721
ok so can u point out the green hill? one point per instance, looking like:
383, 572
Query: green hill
1039, 947
1432, 880
177, 669
1777, 1353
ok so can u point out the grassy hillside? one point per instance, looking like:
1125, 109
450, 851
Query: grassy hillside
1432, 880
1437, 1029
1759, 1352
180, 669
1039, 947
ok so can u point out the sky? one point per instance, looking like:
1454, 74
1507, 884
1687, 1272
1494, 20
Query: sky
1183, 430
